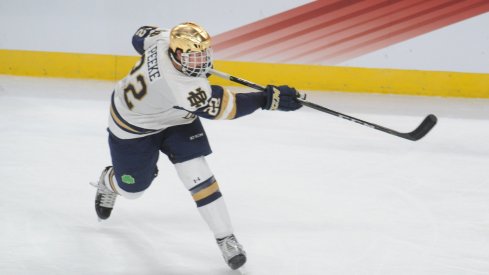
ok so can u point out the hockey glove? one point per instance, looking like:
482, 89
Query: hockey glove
283, 98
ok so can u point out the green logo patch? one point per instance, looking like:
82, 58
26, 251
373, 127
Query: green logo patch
128, 179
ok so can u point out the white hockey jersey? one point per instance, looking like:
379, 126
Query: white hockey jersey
155, 95
144, 102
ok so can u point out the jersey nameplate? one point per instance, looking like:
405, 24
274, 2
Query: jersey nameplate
153, 70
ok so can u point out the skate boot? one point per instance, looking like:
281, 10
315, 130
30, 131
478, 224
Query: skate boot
232, 251
104, 198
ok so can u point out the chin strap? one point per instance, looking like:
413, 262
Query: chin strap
173, 58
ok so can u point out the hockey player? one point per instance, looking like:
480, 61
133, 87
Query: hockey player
157, 106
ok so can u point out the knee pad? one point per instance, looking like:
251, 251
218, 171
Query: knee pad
193, 172
134, 182
115, 186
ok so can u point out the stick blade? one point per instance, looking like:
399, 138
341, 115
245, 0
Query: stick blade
424, 128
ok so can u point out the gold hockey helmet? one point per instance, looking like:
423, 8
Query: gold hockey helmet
194, 44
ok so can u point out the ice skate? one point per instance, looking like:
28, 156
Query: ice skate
232, 252
104, 198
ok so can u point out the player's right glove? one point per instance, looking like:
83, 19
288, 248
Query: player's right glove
283, 98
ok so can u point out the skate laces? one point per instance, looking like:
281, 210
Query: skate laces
107, 196
230, 247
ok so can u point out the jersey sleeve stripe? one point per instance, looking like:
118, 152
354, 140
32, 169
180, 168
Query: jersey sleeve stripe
228, 106
232, 114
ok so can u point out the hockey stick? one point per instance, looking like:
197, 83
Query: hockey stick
425, 126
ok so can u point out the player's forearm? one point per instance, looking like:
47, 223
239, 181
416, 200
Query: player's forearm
247, 103
225, 104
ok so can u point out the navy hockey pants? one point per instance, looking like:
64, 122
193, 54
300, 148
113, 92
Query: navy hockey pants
134, 160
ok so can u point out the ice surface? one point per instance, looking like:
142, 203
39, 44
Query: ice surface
308, 193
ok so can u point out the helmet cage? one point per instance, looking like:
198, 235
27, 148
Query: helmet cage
196, 64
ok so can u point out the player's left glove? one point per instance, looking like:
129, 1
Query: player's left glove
283, 98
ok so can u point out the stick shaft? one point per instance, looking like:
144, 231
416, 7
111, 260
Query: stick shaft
427, 124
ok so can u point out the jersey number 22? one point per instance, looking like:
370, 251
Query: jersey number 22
130, 88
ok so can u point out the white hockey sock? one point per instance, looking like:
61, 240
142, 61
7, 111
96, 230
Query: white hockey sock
198, 179
112, 184
217, 217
